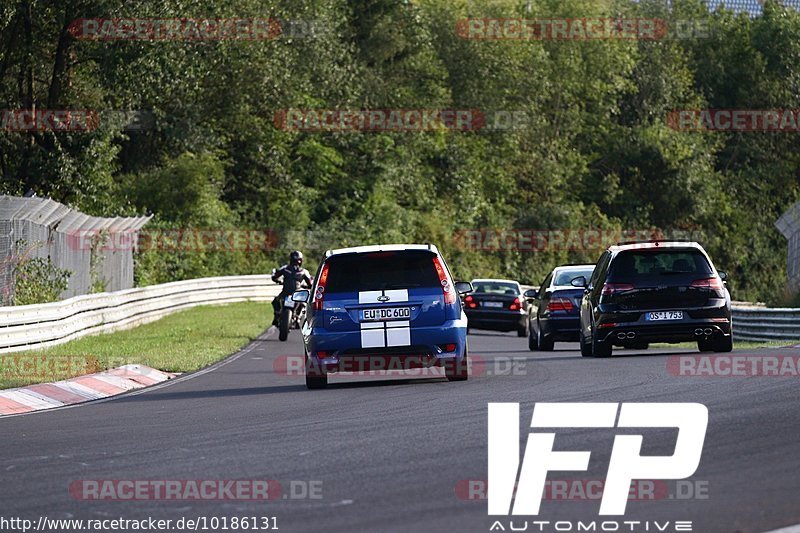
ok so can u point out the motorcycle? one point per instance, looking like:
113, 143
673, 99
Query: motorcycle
292, 316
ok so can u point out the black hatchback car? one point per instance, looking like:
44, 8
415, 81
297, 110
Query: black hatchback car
654, 291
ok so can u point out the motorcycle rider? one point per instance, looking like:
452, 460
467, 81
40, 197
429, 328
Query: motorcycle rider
292, 275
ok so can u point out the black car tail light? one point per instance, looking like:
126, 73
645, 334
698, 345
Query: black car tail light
708, 283
614, 288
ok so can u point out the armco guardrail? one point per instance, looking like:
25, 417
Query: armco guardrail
765, 324
38, 326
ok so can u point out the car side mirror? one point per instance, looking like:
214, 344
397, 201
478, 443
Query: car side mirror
723, 275
300, 296
531, 294
463, 287
579, 282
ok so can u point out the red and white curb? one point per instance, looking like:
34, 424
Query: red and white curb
79, 389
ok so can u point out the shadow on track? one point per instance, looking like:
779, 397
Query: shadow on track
279, 389
158, 395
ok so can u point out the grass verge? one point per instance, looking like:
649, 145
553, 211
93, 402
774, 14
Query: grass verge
185, 341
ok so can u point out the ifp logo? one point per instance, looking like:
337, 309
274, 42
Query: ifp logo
625, 465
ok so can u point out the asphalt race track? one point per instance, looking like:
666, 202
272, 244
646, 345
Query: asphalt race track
397, 455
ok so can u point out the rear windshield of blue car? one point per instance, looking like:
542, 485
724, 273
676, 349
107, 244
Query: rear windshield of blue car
381, 270
652, 263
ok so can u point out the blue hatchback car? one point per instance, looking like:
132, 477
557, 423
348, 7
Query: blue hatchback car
384, 307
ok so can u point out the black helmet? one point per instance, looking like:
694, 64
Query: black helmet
296, 257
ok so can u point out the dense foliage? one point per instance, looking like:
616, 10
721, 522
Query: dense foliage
596, 150
38, 281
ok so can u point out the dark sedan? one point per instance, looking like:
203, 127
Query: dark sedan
497, 304
555, 307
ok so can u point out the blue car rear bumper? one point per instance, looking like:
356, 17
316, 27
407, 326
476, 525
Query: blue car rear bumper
429, 345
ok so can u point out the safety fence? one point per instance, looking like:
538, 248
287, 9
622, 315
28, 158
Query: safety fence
766, 324
42, 325
38, 326
39, 229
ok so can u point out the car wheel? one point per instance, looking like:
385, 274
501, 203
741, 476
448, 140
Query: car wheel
316, 377
722, 343
586, 348
457, 370
601, 349
533, 340
705, 345
545, 344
